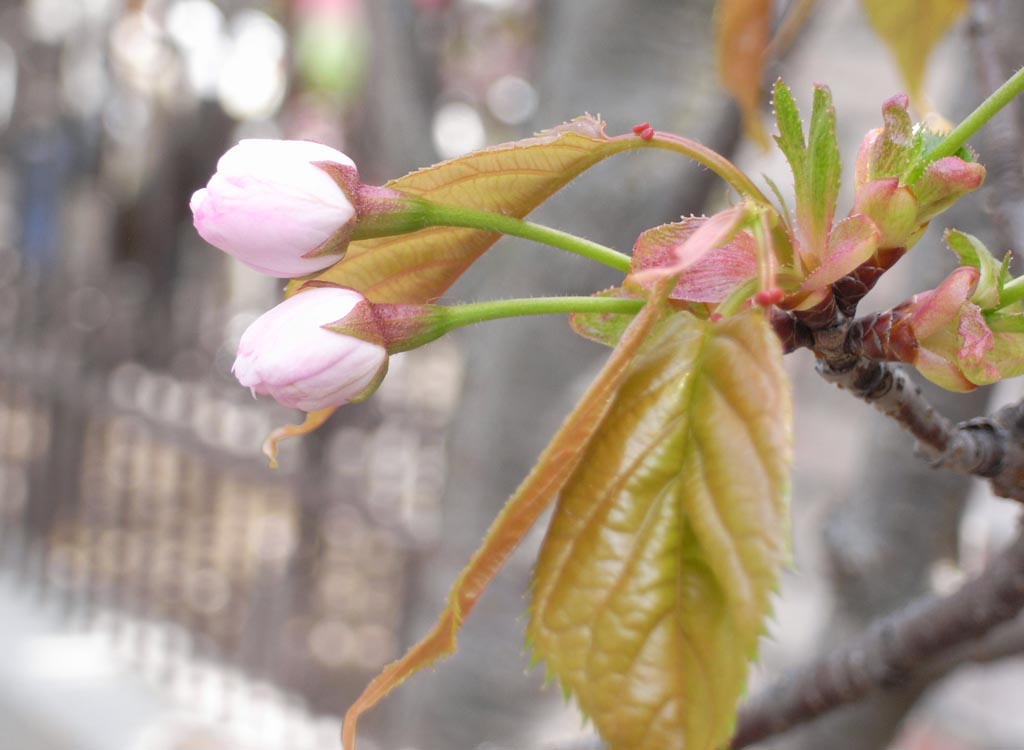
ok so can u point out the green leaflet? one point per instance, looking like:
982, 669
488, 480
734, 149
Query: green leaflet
555, 466
972, 252
653, 582
815, 166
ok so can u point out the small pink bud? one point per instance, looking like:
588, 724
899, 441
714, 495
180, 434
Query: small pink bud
769, 297
289, 354
934, 311
944, 182
273, 208
641, 127
647, 134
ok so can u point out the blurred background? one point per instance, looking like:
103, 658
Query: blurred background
161, 589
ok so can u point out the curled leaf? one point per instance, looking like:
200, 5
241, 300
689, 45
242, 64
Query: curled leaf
972, 252
712, 257
312, 421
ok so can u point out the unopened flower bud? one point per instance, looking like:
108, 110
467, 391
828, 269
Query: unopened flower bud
290, 353
893, 209
274, 206
943, 183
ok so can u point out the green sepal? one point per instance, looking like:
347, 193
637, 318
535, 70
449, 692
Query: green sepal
972, 252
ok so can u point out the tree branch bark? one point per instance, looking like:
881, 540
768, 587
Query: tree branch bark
891, 652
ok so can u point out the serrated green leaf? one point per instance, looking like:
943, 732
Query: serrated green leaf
791, 131
815, 166
554, 467
911, 28
510, 179
742, 30
817, 209
653, 582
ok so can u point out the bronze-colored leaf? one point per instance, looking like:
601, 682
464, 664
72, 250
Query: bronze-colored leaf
742, 30
510, 179
555, 465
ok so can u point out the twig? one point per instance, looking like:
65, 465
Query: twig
892, 650
987, 447
991, 447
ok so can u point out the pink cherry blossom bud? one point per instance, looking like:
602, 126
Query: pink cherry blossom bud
289, 354
944, 182
272, 207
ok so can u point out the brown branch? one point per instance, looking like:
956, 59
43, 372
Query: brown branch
892, 651
991, 447
988, 447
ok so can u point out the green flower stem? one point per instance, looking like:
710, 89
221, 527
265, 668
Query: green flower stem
478, 312
974, 121
436, 214
431, 322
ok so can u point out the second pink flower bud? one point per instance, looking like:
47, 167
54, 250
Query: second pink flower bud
288, 353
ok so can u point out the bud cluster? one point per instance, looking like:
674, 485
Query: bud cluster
289, 209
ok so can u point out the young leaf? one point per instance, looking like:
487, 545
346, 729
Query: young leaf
972, 252
910, 28
893, 151
711, 278
791, 133
654, 579
511, 179
555, 465
814, 214
602, 327
742, 30
852, 242
815, 166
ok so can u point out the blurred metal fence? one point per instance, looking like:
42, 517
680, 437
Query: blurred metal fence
134, 498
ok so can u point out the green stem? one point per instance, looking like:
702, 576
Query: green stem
435, 214
427, 323
457, 316
1012, 291
974, 121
